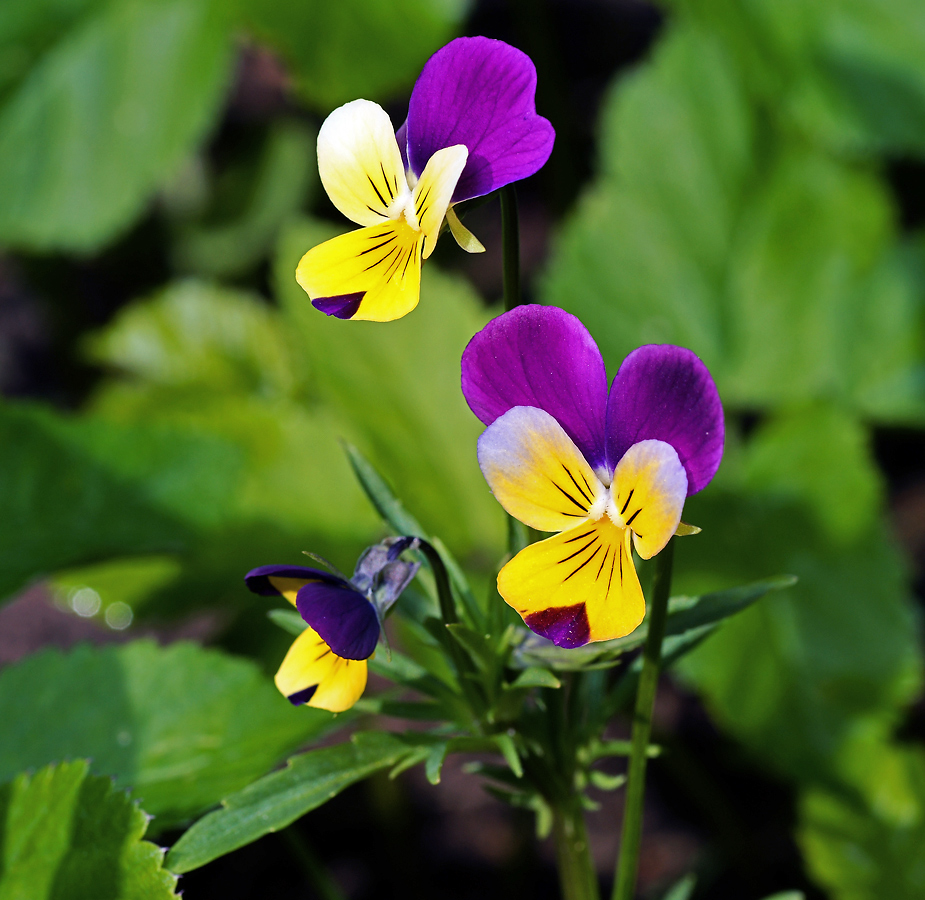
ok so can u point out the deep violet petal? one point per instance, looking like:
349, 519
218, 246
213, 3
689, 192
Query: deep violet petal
344, 619
343, 306
666, 393
540, 356
258, 580
300, 697
565, 626
482, 93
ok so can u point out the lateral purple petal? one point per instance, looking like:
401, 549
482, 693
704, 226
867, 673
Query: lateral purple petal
540, 356
258, 580
666, 393
344, 619
482, 93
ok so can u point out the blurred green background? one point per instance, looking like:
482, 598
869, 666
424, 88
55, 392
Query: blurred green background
742, 177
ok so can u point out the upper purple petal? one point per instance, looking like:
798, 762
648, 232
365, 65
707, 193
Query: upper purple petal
258, 580
344, 619
540, 356
666, 393
482, 93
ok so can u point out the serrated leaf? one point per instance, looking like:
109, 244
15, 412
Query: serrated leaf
68, 833
109, 109
181, 726
276, 800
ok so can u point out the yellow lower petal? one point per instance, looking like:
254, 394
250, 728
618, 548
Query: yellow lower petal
310, 663
380, 264
578, 586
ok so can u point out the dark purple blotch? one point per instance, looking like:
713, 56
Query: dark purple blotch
300, 697
565, 626
343, 306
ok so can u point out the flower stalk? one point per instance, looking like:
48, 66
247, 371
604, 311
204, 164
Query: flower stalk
510, 243
577, 875
631, 838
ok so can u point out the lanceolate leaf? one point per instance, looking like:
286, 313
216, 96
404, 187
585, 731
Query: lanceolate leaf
277, 800
70, 834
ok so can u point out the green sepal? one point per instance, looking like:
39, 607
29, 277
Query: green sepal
532, 677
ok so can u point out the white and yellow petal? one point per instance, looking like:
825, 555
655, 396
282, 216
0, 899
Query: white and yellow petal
536, 472
578, 586
649, 489
313, 674
431, 196
360, 163
372, 274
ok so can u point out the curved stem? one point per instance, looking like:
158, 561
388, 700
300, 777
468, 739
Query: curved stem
576, 868
510, 241
624, 886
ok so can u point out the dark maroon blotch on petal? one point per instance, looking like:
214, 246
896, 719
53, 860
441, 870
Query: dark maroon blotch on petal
343, 618
481, 93
544, 357
565, 626
343, 306
258, 580
666, 393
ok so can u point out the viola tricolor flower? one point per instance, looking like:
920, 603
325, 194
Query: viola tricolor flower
326, 666
609, 471
472, 128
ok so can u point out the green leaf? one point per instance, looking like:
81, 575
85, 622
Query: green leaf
288, 619
107, 112
683, 889
779, 265
434, 762
77, 490
181, 726
68, 833
354, 48
866, 843
534, 677
277, 800
480, 647
287, 171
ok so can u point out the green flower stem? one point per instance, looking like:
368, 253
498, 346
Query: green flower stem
624, 886
576, 868
510, 240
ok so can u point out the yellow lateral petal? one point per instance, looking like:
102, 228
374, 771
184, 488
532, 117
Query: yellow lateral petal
649, 486
536, 472
310, 663
465, 238
431, 195
288, 587
360, 163
382, 263
577, 586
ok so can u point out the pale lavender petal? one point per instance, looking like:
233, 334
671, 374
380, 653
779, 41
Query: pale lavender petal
482, 93
343, 618
540, 356
666, 393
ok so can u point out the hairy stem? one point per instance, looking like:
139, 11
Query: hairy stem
624, 886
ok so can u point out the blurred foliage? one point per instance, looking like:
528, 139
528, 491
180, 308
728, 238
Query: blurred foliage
71, 834
181, 726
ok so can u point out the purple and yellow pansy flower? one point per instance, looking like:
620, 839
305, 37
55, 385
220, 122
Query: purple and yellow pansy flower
326, 665
608, 470
472, 128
